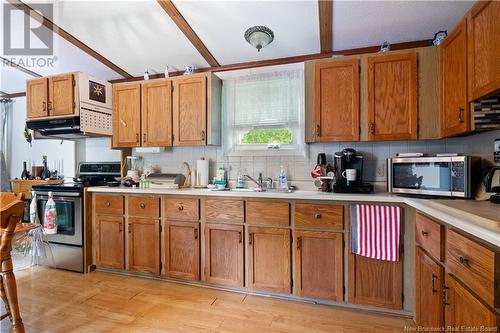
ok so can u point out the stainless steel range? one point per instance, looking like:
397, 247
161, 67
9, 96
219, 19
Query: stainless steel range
67, 245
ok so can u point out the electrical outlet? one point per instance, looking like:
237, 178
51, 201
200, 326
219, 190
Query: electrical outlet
380, 171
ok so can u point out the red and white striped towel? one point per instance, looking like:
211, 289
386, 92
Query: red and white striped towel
375, 231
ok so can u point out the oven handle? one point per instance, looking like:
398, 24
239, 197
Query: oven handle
60, 194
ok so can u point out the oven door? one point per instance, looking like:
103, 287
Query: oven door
422, 175
69, 216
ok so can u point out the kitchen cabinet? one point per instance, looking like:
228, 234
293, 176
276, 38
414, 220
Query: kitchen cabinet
319, 265
224, 254
143, 245
375, 282
455, 111
156, 115
182, 249
269, 259
126, 115
37, 98
196, 110
462, 309
110, 242
483, 49
267, 212
224, 210
336, 100
429, 310
392, 96
51, 96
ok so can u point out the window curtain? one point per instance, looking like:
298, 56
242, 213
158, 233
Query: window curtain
5, 113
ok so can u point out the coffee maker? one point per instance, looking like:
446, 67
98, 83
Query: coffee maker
348, 171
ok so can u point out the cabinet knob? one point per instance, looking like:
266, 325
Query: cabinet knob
463, 260
142, 205
317, 215
425, 233
108, 204
180, 208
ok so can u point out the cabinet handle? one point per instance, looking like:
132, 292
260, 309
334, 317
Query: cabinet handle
195, 233
461, 115
250, 239
137, 137
240, 237
144, 137
425, 233
434, 277
49, 104
299, 243
318, 130
130, 228
180, 208
202, 135
120, 228
317, 215
44, 106
108, 204
142, 205
445, 295
463, 260
372, 128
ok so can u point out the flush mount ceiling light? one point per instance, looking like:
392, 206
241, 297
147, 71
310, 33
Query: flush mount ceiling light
259, 36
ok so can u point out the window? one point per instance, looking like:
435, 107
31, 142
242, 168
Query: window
264, 112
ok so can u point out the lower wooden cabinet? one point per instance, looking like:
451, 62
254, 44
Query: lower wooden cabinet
376, 282
224, 254
319, 265
182, 249
143, 245
462, 309
110, 242
428, 291
269, 259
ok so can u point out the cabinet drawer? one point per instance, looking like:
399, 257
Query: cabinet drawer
182, 209
109, 204
320, 216
217, 210
428, 234
143, 206
268, 212
472, 263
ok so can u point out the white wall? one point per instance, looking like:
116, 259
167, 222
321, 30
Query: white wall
96, 150
21, 151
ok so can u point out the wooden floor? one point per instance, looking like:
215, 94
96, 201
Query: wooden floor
59, 301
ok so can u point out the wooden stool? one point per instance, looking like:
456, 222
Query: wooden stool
11, 212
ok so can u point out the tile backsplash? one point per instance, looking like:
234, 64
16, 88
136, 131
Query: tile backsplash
299, 167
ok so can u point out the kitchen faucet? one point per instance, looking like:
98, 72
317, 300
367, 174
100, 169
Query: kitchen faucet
259, 182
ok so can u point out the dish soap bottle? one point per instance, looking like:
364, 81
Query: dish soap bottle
282, 181
240, 180
50, 217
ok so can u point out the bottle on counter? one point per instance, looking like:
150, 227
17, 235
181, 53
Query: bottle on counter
240, 180
50, 216
25, 174
46, 172
282, 180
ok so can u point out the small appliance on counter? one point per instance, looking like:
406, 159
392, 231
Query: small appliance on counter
348, 170
493, 178
133, 168
447, 175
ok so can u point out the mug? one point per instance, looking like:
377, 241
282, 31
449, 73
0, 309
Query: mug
349, 174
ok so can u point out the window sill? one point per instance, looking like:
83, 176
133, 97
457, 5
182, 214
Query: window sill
268, 152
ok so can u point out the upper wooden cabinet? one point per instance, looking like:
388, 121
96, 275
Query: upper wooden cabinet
336, 100
127, 115
156, 114
455, 111
196, 111
392, 97
52, 96
483, 49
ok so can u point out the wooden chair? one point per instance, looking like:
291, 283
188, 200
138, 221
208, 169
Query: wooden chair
11, 212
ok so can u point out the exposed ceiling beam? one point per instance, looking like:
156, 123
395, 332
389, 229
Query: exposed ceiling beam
325, 11
13, 95
8, 62
288, 60
67, 36
186, 29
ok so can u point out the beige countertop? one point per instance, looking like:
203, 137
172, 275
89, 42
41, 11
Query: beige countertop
478, 218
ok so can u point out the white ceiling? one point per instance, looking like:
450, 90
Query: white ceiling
139, 35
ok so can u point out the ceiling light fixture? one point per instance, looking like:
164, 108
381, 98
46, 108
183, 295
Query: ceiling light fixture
259, 36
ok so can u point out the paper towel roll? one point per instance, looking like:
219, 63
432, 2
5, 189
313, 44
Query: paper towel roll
202, 172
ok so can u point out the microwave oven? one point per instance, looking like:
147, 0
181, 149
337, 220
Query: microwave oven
448, 176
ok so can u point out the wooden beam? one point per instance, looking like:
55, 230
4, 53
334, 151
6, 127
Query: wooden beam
288, 60
186, 29
67, 36
325, 11
13, 95
21, 68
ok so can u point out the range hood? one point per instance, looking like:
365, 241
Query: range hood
57, 128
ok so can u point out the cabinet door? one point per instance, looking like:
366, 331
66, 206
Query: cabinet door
110, 242
36, 98
224, 254
462, 309
269, 259
392, 97
483, 38
182, 250
126, 115
61, 95
157, 114
190, 111
336, 100
375, 282
143, 245
428, 289
318, 265
455, 113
